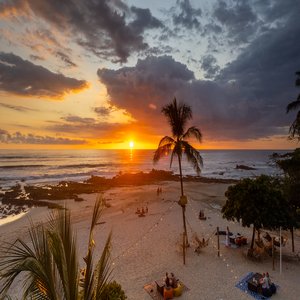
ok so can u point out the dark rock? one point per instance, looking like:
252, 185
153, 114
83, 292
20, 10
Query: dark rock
243, 167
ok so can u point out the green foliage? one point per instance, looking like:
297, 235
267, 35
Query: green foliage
178, 115
258, 202
290, 164
49, 262
295, 127
113, 291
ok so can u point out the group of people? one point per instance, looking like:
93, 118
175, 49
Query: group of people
171, 280
268, 287
159, 191
142, 211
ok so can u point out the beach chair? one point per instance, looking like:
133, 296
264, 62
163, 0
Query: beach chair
160, 288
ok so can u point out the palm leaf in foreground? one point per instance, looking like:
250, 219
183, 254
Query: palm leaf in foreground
50, 265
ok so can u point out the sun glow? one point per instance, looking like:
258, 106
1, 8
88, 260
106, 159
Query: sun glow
131, 144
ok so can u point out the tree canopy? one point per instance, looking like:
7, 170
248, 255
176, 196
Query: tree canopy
259, 202
290, 164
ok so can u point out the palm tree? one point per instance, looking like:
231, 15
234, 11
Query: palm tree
295, 127
178, 114
51, 266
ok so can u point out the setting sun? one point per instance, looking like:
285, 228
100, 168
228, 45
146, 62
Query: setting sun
131, 144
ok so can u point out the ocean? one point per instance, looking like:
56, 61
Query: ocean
52, 166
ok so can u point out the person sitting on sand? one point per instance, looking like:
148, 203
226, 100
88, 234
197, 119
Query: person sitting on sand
138, 211
167, 280
265, 286
272, 286
174, 281
143, 211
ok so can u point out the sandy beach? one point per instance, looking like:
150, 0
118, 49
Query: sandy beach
144, 248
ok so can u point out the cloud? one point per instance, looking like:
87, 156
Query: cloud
103, 111
245, 101
66, 59
109, 29
188, 17
238, 18
149, 82
101, 131
19, 138
208, 64
17, 107
36, 57
24, 78
78, 120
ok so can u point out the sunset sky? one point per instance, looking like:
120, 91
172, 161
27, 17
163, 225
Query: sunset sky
96, 73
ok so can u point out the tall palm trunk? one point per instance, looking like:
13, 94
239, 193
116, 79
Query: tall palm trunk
186, 242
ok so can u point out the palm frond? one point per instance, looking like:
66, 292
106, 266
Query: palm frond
63, 247
177, 115
36, 264
166, 140
103, 271
293, 105
164, 147
193, 132
49, 266
89, 283
193, 156
295, 128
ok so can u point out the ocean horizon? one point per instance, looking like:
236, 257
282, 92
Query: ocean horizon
52, 166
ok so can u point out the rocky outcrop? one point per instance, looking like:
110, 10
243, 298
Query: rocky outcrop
243, 167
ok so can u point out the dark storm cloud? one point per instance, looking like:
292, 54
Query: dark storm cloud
238, 18
209, 65
24, 78
146, 84
144, 19
109, 29
246, 100
188, 16
20, 138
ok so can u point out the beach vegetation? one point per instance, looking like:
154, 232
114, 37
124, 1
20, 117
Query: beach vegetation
259, 203
178, 114
49, 263
113, 291
290, 164
294, 132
